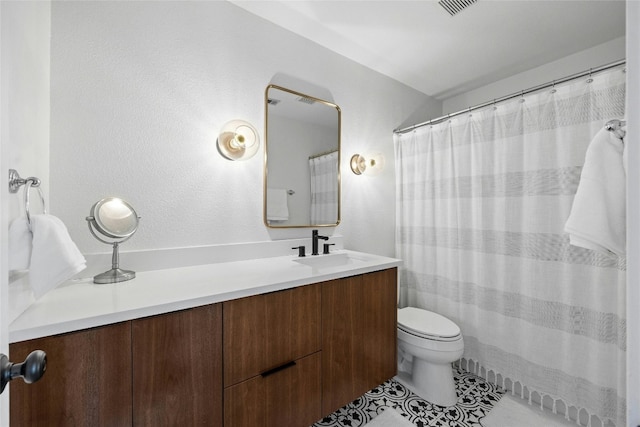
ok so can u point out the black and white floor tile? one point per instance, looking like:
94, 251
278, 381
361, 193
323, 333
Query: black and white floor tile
476, 397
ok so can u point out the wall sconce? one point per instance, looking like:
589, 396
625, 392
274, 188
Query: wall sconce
368, 166
238, 140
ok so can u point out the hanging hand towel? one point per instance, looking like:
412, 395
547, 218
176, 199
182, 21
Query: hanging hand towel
19, 244
598, 215
54, 257
277, 208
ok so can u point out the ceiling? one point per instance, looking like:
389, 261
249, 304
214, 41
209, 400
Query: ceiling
419, 44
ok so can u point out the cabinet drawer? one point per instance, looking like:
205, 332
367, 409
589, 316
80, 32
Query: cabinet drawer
288, 397
265, 331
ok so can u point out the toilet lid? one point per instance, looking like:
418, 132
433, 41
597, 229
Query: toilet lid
426, 323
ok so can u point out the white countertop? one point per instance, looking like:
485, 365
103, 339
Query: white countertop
81, 304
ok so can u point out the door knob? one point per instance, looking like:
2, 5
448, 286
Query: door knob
31, 370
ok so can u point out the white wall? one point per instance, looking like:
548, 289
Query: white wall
139, 90
24, 124
602, 54
633, 214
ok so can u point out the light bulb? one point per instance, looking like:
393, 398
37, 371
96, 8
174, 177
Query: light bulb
238, 140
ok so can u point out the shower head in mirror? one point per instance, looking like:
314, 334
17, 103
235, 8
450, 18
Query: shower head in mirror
116, 220
238, 140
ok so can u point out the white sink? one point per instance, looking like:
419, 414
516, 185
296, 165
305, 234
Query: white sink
330, 260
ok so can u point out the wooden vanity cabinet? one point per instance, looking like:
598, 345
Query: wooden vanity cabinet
272, 363
87, 381
177, 368
284, 358
359, 333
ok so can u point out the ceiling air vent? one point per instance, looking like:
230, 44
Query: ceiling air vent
306, 100
455, 6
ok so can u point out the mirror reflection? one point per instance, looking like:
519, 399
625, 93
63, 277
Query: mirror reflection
115, 217
302, 159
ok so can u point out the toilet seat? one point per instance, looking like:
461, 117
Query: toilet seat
427, 325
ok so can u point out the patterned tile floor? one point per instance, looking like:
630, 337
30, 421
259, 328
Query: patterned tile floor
476, 397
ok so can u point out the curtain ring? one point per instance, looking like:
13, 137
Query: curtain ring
590, 79
521, 96
553, 87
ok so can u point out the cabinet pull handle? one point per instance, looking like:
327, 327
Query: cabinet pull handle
278, 369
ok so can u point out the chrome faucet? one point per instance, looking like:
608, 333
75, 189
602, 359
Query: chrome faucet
314, 241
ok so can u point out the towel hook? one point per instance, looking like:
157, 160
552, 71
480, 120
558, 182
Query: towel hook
15, 182
615, 126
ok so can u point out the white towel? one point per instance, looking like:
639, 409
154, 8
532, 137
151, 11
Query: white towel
54, 256
277, 208
19, 244
598, 215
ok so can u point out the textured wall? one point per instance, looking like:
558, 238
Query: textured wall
601, 54
139, 91
25, 95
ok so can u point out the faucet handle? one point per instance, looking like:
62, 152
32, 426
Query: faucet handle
301, 250
325, 251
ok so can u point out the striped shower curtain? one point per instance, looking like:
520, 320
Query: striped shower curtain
324, 188
482, 200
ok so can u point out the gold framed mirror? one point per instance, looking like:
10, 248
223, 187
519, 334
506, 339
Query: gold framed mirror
301, 161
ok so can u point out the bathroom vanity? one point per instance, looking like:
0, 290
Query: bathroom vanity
262, 342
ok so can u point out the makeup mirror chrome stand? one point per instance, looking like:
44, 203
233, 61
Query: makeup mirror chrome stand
117, 220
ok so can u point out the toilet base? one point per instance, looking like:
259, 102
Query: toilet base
433, 382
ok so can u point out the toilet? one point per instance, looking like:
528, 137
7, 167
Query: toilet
427, 345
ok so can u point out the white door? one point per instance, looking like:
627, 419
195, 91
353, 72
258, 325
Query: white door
25, 31
4, 274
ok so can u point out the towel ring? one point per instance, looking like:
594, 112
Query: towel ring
33, 184
15, 182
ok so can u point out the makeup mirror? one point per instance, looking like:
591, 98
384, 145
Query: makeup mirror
302, 160
116, 220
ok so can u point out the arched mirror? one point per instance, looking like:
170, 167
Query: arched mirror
302, 160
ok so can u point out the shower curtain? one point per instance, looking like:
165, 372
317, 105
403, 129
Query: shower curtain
324, 188
482, 200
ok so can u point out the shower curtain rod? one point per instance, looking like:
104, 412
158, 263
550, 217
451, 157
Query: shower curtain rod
326, 153
440, 119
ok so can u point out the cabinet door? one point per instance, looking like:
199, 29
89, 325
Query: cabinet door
177, 372
359, 316
289, 397
379, 302
87, 381
342, 335
265, 331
